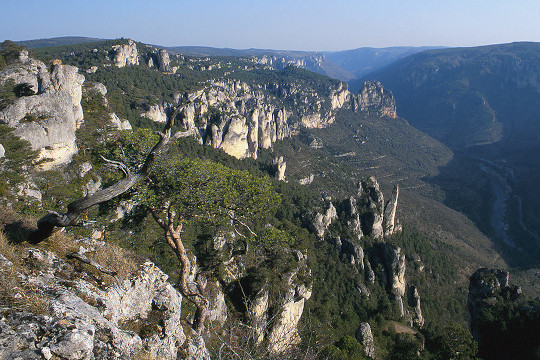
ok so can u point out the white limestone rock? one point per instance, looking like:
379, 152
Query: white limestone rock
155, 113
365, 336
120, 124
164, 61
321, 222
390, 212
307, 180
258, 313
394, 261
87, 322
49, 117
414, 302
279, 166
339, 97
124, 55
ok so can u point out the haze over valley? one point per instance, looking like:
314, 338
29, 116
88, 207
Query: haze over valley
344, 181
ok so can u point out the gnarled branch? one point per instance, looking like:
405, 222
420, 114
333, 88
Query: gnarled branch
47, 223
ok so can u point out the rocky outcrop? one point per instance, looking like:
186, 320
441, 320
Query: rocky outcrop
2, 151
284, 332
49, 111
395, 266
279, 166
353, 252
365, 337
156, 113
120, 124
258, 314
164, 62
503, 321
339, 96
124, 55
307, 180
394, 261
378, 218
87, 321
414, 302
390, 208
241, 118
485, 285
374, 100
321, 222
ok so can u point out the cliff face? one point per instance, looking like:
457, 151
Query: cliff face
241, 119
47, 109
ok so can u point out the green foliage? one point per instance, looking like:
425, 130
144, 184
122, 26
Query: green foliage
453, 343
508, 328
347, 348
200, 188
18, 158
7, 93
9, 53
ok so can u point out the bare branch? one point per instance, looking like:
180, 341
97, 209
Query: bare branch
231, 216
117, 165
91, 262
182, 134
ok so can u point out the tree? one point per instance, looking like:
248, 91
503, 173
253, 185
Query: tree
455, 342
47, 224
180, 190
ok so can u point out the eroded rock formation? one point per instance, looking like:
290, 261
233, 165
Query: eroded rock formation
321, 222
124, 55
375, 100
279, 166
284, 332
365, 336
48, 111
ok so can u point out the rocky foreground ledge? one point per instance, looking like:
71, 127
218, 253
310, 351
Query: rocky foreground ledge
81, 318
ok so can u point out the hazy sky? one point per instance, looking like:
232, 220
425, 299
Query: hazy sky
278, 24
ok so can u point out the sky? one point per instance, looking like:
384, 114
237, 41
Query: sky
316, 25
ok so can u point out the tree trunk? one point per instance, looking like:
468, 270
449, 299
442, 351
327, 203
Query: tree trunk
193, 294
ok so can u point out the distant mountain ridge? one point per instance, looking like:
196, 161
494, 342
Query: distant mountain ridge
364, 60
56, 41
344, 65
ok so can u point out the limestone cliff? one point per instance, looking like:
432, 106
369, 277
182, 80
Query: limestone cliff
284, 329
375, 100
241, 119
394, 261
48, 111
378, 218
